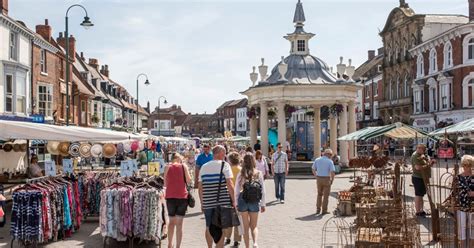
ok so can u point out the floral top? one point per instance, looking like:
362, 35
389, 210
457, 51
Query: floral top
465, 185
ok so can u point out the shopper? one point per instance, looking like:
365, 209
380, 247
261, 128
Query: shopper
466, 199
421, 164
208, 187
203, 158
324, 171
234, 160
280, 171
250, 195
176, 178
34, 170
262, 164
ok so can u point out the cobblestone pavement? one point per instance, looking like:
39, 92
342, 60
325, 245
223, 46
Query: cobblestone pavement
293, 224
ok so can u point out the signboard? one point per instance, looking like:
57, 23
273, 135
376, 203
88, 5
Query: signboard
126, 168
153, 168
67, 166
109, 115
37, 118
50, 168
446, 152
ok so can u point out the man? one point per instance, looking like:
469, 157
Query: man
257, 146
421, 164
324, 171
280, 171
203, 158
208, 187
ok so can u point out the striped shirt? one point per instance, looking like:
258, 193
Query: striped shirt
209, 178
280, 162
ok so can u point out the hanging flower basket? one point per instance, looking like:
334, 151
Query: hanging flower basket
310, 113
118, 121
95, 118
253, 112
336, 109
289, 110
271, 113
324, 113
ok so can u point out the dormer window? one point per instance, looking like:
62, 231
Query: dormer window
301, 46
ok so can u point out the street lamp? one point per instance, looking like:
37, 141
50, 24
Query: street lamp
86, 23
158, 117
146, 83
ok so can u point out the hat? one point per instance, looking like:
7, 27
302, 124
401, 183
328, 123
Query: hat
23, 147
7, 147
63, 149
85, 150
16, 147
74, 149
134, 145
127, 146
109, 150
119, 148
96, 150
53, 147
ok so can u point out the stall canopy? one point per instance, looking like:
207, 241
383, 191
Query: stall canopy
34, 131
466, 126
396, 131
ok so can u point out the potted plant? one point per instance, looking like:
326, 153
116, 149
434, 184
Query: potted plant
118, 121
95, 118
271, 113
336, 109
252, 112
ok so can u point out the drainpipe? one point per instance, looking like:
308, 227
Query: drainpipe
31, 78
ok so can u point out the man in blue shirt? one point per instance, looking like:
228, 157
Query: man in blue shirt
324, 171
202, 159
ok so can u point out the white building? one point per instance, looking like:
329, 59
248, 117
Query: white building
241, 119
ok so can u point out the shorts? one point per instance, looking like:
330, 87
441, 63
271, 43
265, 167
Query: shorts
420, 189
208, 215
244, 206
177, 207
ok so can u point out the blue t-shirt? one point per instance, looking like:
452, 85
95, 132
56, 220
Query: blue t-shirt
323, 166
202, 159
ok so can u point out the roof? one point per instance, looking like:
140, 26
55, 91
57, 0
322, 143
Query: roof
197, 118
84, 89
299, 13
367, 66
466, 126
179, 120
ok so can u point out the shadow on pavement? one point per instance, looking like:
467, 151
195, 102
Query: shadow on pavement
311, 217
273, 203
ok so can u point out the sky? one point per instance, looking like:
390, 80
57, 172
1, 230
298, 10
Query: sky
199, 53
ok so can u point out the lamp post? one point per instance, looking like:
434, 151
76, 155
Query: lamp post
158, 117
86, 23
146, 83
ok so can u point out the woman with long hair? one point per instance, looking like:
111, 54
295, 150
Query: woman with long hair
261, 163
176, 178
250, 197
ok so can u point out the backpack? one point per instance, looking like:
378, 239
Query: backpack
252, 191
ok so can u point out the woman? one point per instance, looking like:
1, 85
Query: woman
176, 178
262, 164
466, 196
34, 170
234, 161
249, 181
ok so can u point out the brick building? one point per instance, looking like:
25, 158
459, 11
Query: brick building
404, 29
227, 115
369, 74
163, 121
200, 125
443, 90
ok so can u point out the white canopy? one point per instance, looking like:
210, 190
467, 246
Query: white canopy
32, 131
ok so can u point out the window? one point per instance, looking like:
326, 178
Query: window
406, 87
397, 89
433, 94
375, 88
44, 68
20, 94
301, 45
445, 96
13, 46
448, 55
418, 101
9, 93
468, 48
375, 110
468, 91
367, 91
45, 100
433, 61
419, 64
83, 112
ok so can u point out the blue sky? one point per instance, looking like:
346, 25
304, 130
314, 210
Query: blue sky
199, 53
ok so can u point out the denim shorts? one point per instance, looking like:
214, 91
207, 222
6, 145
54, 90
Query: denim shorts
243, 206
208, 215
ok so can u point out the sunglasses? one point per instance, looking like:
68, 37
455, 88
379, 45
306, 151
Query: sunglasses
279, 147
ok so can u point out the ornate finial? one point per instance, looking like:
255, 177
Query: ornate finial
340, 59
263, 69
263, 61
282, 69
253, 68
253, 76
299, 17
350, 62
403, 4
283, 59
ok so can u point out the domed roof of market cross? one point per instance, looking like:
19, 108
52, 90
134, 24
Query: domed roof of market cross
300, 67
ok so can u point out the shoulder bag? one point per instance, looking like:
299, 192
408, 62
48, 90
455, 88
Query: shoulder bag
191, 200
224, 216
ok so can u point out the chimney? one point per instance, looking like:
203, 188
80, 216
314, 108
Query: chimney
471, 10
82, 56
44, 30
105, 70
94, 63
4, 7
371, 54
72, 45
148, 106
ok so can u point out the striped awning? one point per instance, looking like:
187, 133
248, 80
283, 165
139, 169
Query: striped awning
361, 134
397, 131
406, 132
466, 126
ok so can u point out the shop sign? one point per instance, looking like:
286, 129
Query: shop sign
49, 168
446, 152
67, 166
37, 118
423, 122
110, 115
126, 168
153, 168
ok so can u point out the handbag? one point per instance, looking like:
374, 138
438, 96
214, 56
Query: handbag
224, 216
191, 200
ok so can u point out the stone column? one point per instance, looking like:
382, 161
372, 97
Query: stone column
253, 131
264, 127
343, 131
333, 133
281, 124
317, 131
352, 128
